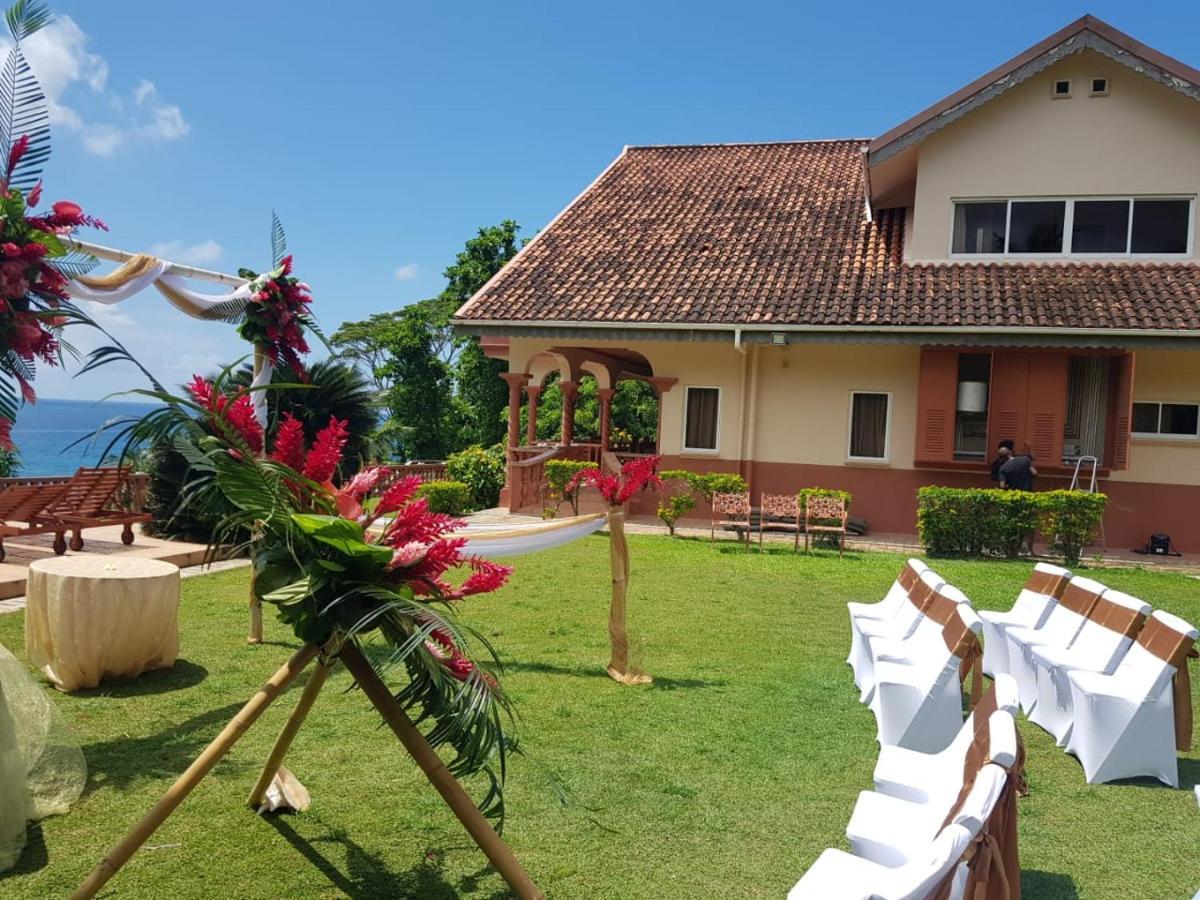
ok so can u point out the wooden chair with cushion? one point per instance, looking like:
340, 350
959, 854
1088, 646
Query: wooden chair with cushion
781, 512
731, 511
820, 516
91, 500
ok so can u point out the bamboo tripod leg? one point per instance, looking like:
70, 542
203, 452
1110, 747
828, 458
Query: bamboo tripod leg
497, 852
316, 680
256, 632
186, 782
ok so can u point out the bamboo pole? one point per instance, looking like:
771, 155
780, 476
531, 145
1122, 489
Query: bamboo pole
186, 782
618, 557
477, 825
119, 256
256, 629
316, 680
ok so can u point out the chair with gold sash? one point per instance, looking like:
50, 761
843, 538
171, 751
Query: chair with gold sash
1133, 721
1105, 638
898, 627
1039, 595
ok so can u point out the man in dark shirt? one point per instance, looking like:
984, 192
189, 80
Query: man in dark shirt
1018, 473
1004, 452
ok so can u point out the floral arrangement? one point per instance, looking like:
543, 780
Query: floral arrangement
364, 559
34, 304
277, 314
617, 488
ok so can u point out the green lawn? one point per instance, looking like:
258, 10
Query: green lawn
726, 778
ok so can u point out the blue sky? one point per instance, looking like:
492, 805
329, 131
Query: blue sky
385, 139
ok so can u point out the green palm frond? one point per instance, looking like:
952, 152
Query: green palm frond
23, 107
27, 16
278, 241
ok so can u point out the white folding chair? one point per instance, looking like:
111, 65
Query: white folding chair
908, 774
1033, 605
1103, 640
1125, 723
924, 642
1059, 629
899, 626
920, 706
890, 831
837, 875
910, 572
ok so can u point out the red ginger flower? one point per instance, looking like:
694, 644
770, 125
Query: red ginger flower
397, 494
486, 576
201, 392
617, 489
290, 447
20, 145
240, 415
35, 196
322, 460
414, 522
6, 441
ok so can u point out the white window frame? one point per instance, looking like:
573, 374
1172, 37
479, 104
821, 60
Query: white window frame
710, 451
1068, 227
1159, 435
887, 432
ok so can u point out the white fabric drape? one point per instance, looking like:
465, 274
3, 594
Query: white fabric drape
516, 540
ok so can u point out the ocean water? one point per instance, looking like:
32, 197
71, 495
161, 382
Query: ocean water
46, 429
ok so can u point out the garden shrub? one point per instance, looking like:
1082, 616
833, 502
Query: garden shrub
823, 538
482, 470
677, 499
450, 497
718, 483
1070, 520
559, 473
990, 522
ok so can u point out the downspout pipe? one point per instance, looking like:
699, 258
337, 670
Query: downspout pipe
737, 341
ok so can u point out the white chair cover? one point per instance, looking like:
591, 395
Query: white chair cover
889, 831
1101, 643
894, 605
1033, 605
908, 774
900, 626
1059, 629
926, 639
837, 875
1124, 723
920, 706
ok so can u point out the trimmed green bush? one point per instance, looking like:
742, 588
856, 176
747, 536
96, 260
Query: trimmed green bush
559, 473
450, 497
990, 522
1070, 520
482, 470
718, 483
677, 499
804, 493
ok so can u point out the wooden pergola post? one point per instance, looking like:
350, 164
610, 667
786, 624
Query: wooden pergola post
534, 393
516, 381
570, 391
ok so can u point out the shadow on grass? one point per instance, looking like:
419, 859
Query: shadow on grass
368, 875
1189, 774
183, 674
660, 682
34, 857
1038, 885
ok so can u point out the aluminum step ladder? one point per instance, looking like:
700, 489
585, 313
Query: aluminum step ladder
1093, 465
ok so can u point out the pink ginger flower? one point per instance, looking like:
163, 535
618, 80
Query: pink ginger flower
290, 447
322, 460
408, 555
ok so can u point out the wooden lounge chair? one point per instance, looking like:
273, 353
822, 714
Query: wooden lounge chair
820, 516
90, 500
780, 512
731, 510
22, 500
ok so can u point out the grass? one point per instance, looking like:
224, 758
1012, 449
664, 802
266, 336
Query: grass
726, 778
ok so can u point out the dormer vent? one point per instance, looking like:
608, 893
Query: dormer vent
1061, 89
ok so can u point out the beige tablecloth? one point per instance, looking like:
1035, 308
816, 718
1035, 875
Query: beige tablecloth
93, 617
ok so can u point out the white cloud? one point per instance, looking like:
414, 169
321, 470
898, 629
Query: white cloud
71, 76
105, 314
406, 272
201, 254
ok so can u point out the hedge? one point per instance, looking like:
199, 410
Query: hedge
482, 470
990, 522
450, 497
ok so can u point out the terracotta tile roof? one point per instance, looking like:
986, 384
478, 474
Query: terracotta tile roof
775, 234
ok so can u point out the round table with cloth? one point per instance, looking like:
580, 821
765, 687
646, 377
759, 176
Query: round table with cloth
93, 617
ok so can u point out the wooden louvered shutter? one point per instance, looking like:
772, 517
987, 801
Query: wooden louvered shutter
1047, 406
1009, 396
937, 395
1122, 413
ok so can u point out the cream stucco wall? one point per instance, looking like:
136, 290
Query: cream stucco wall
1165, 375
1141, 139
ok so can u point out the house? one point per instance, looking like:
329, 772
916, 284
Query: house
1017, 261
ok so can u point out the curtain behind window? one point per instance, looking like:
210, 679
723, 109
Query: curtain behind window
868, 426
700, 432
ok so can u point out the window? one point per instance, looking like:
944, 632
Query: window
1113, 226
701, 417
870, 420
1062, 88
1099, 87
1174, 420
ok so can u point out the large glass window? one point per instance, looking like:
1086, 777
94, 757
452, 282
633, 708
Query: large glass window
701, 418
869, 419
1180, 420
1109, 226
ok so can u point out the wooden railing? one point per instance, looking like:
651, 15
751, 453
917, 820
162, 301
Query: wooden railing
426, 471
526, 472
